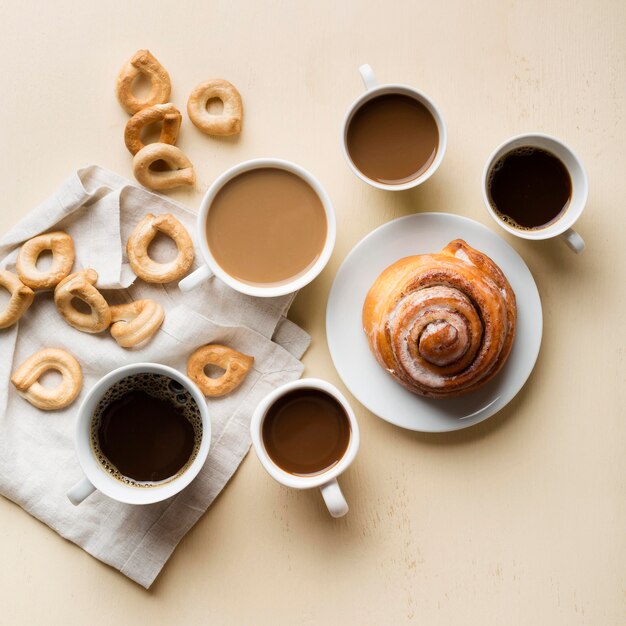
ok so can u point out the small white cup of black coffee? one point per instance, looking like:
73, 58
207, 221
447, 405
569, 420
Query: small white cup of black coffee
523, 146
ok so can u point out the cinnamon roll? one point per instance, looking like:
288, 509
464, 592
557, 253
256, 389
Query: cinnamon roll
441, 324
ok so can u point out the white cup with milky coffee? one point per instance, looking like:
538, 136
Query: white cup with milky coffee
394, 137
306, 435
266, 227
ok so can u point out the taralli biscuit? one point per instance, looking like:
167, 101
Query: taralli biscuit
135, 322
228, 122
167, 114
235, 364
61, 246
81, 285
21, 298
181, 170
141, 238
142, 62
26, 379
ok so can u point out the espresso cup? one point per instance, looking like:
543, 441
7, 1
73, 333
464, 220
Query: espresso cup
211, 266
325, 481
562, 226
373, 90
96, 475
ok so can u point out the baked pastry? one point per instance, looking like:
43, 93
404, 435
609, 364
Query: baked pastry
441, 324
26, 379
61, 246
135, 322
140, 239
81, 285
21, 298
143, 62
228, 122
235, 364
181, 170
167, 114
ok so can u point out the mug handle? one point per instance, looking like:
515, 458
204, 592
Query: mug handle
202, 274
80, 491
367, 75
573, 240
336, 503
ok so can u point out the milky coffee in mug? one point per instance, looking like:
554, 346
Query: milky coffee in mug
266, 226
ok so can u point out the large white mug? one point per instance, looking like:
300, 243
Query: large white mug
97, 477
563, 225
325, 481
211, 266
372, 90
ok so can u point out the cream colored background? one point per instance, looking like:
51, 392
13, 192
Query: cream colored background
520, 520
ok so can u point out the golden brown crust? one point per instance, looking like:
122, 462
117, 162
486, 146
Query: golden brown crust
441, 324
235, 364
81, 285
61, 246
141, 238
142, 62
21, 298
167, 114
26, 379
181, 170
228, 122
135, 322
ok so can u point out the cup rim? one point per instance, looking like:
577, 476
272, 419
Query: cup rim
571, 215
300, 281
280, 475
98, 476
434, 110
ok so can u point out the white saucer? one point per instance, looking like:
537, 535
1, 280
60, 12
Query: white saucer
368, 382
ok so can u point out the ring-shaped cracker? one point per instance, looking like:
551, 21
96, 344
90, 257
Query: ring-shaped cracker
142, 62
167, 114
135, 322
26, 379
21, 298
235, 364
61, 246
228, 122
81, 285
140, 239
181, 170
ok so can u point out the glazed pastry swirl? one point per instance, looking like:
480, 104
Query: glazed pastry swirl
441, 324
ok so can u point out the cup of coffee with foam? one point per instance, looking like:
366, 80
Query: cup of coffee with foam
142, 435
393, 136
535, 187
266, 228
305, 435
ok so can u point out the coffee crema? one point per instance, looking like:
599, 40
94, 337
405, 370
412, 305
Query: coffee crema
146, 430
306, 432
266, 227
392, 139
529, 188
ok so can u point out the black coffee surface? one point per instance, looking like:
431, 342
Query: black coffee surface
306, 432
146, 438
393, 139
529, 188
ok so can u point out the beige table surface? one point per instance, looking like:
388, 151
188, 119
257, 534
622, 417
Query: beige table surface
520, 520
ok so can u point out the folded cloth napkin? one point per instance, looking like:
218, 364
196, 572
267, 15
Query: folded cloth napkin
37, 460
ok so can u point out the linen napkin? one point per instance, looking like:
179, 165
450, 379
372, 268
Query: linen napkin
37, 460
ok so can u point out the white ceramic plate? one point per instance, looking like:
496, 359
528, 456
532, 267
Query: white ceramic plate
368, 382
